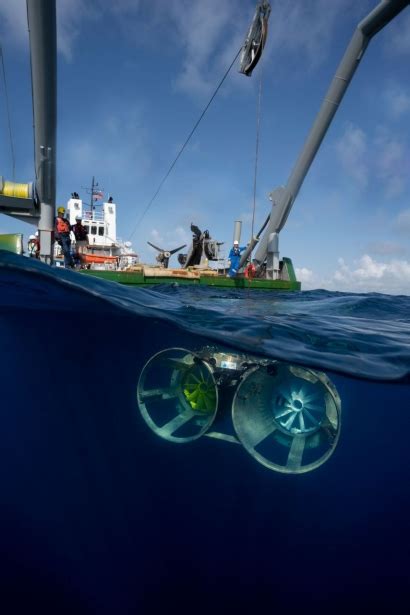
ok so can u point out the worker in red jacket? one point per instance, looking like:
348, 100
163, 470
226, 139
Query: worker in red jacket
62, 236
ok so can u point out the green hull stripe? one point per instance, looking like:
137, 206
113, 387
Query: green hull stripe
136, 279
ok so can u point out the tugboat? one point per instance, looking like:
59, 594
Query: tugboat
104, 250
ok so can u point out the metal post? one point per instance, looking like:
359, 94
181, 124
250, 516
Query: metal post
92, 199
237, 231
41, 17
272, 259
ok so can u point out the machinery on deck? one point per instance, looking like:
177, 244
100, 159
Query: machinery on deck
203, 249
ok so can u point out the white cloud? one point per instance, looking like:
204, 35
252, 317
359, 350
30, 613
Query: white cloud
304, 275
352, 150
382, 155
208, 34
307, 28
366, 275
205, 34
397, 100
70, 15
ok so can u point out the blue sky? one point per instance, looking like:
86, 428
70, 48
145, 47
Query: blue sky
133, 77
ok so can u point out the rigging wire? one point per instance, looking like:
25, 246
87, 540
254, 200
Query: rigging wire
258, 119
8, 114
184, 145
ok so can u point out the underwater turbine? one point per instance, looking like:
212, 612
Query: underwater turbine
286, 417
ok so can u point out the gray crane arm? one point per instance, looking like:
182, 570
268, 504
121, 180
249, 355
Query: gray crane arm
283, 197
41, 17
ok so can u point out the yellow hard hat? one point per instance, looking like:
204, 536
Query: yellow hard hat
61, 210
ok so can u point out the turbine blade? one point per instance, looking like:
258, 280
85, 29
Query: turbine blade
176, 249
153, 246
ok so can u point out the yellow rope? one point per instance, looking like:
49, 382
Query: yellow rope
21, 191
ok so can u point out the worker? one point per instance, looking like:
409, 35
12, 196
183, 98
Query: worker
81, 237
33, 246
234, 258
62, 236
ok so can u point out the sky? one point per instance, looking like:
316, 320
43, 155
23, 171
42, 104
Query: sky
134, 77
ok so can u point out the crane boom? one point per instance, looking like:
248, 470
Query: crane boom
283, 197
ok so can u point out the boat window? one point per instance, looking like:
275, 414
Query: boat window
101, 231
87, 227
93, 230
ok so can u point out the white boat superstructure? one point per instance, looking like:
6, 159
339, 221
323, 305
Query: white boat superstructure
101, 223
104, 250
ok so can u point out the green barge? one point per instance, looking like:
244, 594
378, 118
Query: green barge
143, 275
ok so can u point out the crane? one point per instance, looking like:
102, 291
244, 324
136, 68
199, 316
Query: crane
266, 257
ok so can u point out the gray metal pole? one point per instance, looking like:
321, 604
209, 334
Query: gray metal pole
41, 17
237, 229
283, 198
92, 199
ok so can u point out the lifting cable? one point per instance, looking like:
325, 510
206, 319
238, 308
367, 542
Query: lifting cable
258, 118
8, 113
184, 145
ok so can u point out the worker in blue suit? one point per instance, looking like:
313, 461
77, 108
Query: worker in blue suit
235, 257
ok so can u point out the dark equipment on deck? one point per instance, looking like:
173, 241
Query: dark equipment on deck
203, 248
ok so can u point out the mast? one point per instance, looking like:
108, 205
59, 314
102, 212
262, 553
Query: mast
41, 17
92, 199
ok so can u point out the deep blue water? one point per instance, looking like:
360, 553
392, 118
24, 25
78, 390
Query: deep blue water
99, 514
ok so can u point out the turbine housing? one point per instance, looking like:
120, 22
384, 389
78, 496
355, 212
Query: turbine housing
287, 417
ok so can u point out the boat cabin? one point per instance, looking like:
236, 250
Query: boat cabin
104, 249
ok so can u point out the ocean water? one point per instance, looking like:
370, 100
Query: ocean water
99, 514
